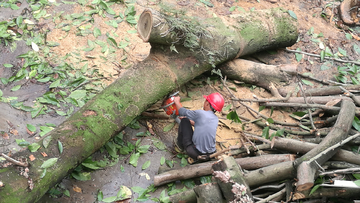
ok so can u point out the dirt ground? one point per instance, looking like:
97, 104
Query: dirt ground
313, 17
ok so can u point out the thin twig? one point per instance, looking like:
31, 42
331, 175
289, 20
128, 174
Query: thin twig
334, 146
309, 111
351, 95
14, 161
269, 186
268, 100
317, 55
342, 171
269, 198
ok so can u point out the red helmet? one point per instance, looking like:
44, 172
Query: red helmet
216, 100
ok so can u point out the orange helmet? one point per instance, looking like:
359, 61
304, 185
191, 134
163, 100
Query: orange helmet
216, 100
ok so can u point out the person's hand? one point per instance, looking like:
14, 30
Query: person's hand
192, 122
177, 100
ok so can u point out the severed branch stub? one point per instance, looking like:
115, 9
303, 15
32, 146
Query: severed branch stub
229, 177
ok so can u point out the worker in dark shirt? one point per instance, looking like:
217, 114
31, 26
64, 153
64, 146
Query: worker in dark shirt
201, 139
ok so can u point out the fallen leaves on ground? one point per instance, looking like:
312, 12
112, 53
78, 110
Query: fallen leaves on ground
5, 135
76, 189
14, 131
31, 157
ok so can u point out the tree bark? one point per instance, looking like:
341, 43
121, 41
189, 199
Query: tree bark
328, 192
261, 75
296, 146
208, 193
137, 88
221, 40
229, 177
188, 196
203, 169
320, 154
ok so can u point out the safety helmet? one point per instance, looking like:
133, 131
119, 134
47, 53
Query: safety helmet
216, 100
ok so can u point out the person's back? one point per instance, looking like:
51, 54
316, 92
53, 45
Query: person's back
201, 140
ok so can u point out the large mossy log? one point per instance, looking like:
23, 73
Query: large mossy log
115, 107
220, 39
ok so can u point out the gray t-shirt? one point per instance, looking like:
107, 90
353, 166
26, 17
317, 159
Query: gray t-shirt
206, 123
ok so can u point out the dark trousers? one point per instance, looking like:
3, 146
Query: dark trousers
185, 134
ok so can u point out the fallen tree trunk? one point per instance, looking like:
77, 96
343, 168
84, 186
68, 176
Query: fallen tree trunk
137, 88
203, 169
261, 75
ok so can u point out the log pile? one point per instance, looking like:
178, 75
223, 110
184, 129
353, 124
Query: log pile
295, 177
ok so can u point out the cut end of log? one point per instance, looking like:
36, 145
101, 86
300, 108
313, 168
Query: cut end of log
298, 196
304, 186
144, 25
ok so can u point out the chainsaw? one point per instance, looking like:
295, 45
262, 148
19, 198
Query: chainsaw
170, 108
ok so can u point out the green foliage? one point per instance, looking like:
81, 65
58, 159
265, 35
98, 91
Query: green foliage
349, 71
233, 117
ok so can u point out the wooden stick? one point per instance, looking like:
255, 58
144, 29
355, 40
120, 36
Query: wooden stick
14, 161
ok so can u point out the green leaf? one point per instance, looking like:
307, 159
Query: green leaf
78, 94
31, 127
356, 175
1, 93
322, 55
6, 65
162, 160
261, 108
146, 165
60, 146
34, 147
22, 142
183, 162
356, 123
169, 163
97, 32
314, 189
111, 149
92, 166
46, 141
143, 149
82, 176
356, 48
265, 132
233, 117
100, 196
14, 7
17, 87
169, 127
45, 130
292, 14
43, 174
67, 193
134, 159
298, 56
306, 82
55, 84
357, 182
158, 144
48, 163
342, 51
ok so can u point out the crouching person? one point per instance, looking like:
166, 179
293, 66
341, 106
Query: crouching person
199, 142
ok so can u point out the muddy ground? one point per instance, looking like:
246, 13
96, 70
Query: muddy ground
313, 17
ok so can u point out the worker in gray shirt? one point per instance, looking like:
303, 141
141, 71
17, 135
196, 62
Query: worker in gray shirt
201, 139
